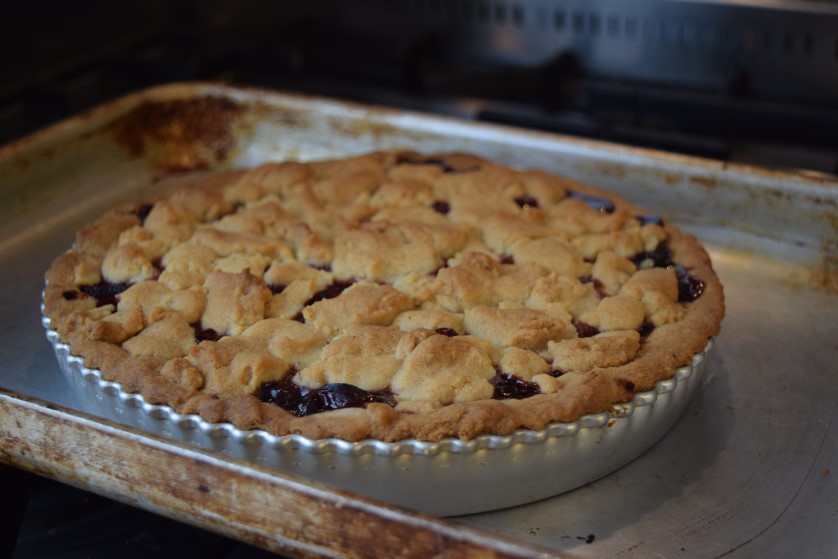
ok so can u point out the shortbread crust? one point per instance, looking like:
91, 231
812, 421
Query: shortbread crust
440, 295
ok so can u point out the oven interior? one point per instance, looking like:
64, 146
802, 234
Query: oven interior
747, 82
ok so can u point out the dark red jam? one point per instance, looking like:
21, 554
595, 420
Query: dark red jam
158, 266
205, 334
600, 289
526, 201
302, 401
336, 288
441, 206
71, 295
507, 259
143, 211
645, 329
602, 205
508, 386
450, 332
276, 288
105, 292
690, 287
661, 257
585, 330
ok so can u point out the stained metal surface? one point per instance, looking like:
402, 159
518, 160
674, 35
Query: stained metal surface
282, 514
749, 470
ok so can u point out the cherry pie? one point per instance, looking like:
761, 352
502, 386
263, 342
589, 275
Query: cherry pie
389, 296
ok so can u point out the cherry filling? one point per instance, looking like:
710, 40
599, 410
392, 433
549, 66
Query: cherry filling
143, 211
690, 287
276, 288
205, 334
602, 205
158, 266
584, 330
333, 290
450, 332
645, 329
441, 206
524, 201
105, 292
508, 386
330, 292
507, 259
600, 289
661, 257
302, 401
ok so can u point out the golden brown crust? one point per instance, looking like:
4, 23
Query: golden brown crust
428, 279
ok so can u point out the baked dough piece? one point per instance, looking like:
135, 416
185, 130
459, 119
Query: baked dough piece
392, 295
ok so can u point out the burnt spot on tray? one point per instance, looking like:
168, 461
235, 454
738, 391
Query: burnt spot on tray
182, 134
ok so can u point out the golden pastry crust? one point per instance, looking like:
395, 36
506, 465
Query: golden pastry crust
392, 295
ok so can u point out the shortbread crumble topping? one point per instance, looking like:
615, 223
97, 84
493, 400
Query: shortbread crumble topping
392, 295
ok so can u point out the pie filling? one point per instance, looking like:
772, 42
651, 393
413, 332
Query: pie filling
525, 279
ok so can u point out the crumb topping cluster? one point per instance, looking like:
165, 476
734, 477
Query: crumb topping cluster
380, 287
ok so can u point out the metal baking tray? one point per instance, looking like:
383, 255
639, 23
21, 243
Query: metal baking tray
744, 472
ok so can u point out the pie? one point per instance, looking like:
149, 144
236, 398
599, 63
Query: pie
389, 296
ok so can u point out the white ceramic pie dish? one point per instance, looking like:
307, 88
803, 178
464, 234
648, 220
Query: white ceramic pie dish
447, 478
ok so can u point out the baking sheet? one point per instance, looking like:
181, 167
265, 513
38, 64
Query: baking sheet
749, 470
